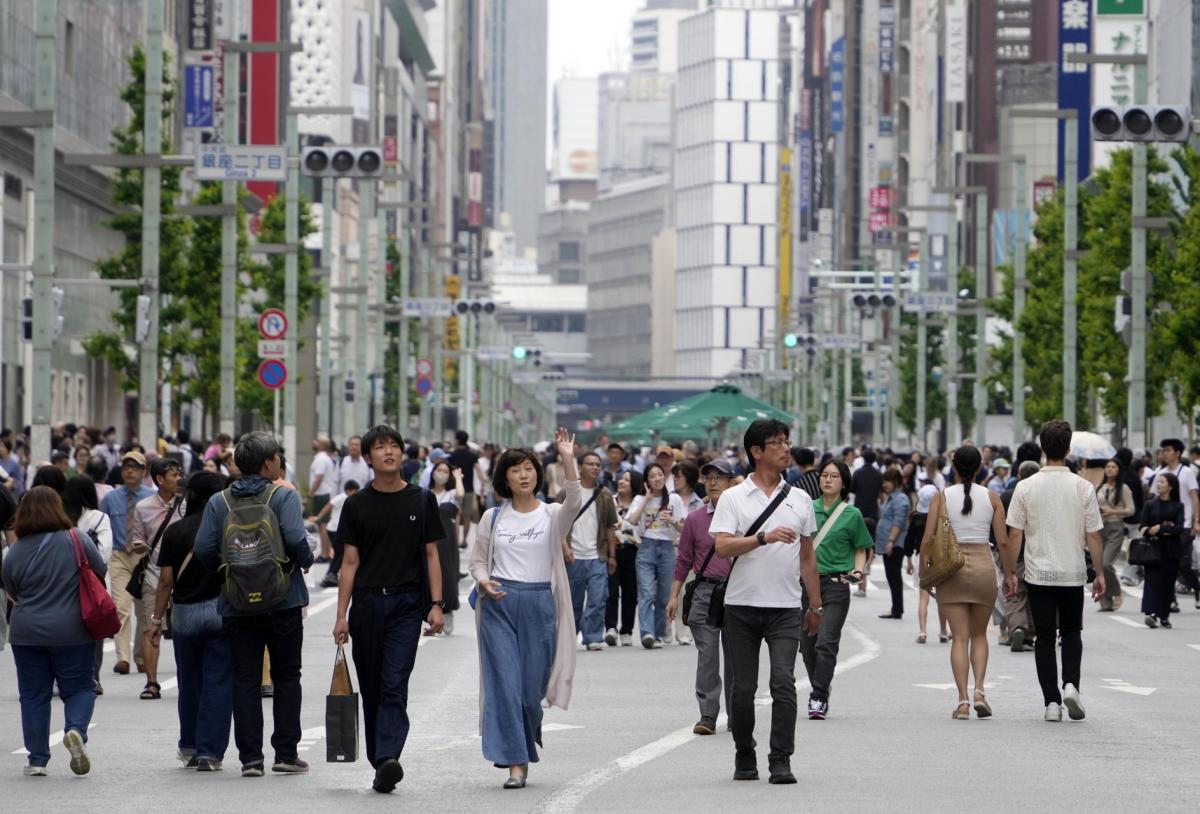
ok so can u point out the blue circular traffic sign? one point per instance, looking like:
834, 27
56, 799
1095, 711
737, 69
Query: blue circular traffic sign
424, 385
272, 374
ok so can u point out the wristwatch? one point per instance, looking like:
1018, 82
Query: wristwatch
439, 603
762, 538
157, 622
818, 611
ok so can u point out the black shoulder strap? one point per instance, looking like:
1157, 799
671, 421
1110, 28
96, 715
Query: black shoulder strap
162, 527
764, 517
707, 560
585, 506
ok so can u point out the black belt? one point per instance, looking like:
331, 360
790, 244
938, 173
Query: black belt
387, 590
838, 577
711, 580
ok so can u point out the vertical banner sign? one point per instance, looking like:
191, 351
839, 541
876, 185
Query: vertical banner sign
1075, 79
785, 233
837, 80
200, 25
955, 64
198, 97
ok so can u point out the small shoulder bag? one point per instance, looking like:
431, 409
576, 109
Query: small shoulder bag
716, 604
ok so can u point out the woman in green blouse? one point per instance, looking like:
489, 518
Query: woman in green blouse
841, 554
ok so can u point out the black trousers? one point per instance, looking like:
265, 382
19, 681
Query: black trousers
746, 628
1159, 588
282, 633
893, 566
1056, 609
622, 586
385, 631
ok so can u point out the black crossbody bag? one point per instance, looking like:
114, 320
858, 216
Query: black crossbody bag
716, 605
137, 577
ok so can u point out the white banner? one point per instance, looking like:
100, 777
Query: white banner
955, 63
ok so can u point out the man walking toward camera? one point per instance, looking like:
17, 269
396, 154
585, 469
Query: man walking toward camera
767, 528
1057, 511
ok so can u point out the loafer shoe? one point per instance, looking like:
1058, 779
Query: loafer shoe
388, 776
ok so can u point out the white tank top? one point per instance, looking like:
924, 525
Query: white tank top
973, 527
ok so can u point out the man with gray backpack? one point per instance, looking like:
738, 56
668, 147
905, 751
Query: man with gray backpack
253, 535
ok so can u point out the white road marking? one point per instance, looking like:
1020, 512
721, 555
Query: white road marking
559, 727
571, 794
1132, 590
55, 739
949, 686
1124, 686
1194, 646
1124, 620
310, 737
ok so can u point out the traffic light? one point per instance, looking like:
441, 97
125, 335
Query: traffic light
790, 340
346, 161
519, 353
536, 356
463, 307
141, 329
27, 319
1142, 123
863, 300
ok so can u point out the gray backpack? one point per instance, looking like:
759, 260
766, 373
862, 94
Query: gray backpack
254, 566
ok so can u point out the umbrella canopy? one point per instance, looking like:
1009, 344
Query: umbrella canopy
1087, 446
722, 409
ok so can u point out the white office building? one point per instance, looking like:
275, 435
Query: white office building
726, 204
654, 34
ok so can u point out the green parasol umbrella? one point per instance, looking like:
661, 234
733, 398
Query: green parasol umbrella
722, 409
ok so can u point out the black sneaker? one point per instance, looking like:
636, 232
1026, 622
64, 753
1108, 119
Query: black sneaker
207, 765
267, 691
293, 766
192, 763
744, 767
781, 775
328, 581
252, 770
387, 776
818, 709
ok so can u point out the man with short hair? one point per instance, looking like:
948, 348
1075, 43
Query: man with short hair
121, 507
353, 467
391, 573
109, 450
808, 479
615, 467
763, 599
467, 460
152, 516
1057, 511
1171, 455
322, 481
590, 552
280, 628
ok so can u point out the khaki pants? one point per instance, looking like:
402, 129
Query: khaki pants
120, 568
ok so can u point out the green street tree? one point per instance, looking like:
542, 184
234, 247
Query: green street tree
1177, 282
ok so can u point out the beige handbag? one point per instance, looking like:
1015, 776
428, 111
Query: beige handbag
940, 557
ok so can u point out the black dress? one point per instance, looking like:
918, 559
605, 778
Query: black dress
1159, 588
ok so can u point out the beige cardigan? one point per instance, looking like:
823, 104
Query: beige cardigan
562, 516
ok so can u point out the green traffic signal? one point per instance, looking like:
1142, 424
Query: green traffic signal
519, 352
791, 340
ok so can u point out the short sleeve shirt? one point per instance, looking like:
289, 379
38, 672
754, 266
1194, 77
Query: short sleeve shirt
768, 576
322, 465
1055, 508
848, 534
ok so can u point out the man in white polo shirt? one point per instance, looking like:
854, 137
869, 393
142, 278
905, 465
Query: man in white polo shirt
763, 599
1057, 511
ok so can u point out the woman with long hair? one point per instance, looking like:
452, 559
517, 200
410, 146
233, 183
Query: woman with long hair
1116, 504
524, 617
1162, 523
967, 598
622, 585
658, 516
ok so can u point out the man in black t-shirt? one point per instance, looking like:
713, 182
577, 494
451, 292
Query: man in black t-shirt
390, 569
466, 459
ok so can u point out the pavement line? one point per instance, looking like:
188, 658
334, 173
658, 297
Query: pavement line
1194, 646
568, 797
1123, 620
55, 739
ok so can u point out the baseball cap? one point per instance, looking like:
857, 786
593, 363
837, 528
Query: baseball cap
1000, 463
438, 454
135, 456
718, 465
664, 449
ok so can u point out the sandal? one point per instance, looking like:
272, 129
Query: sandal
152, 691
943, 638
963, 711
921, 638
982, 708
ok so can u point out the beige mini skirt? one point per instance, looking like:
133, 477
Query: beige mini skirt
975, 582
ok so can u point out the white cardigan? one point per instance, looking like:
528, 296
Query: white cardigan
562, 516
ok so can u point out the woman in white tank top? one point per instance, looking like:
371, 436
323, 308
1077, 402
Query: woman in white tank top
967, 597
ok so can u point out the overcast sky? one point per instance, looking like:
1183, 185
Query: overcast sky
587, 38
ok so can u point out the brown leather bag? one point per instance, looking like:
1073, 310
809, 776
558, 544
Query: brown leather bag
940, 557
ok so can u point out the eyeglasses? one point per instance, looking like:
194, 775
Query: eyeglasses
830, 476
776, 442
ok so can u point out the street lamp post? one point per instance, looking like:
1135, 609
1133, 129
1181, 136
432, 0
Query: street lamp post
950, 348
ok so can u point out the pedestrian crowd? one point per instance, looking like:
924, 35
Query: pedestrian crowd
570, 548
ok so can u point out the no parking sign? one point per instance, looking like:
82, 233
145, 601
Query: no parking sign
272, 374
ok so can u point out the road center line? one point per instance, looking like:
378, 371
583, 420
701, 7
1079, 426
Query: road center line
569, 796
1123, 620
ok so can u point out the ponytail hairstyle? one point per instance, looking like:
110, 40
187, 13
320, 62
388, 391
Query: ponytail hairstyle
966, 462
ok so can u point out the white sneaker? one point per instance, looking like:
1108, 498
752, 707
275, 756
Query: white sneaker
610, 637
648, 642
79, 758
448, 623
34, 771
579, 647
668, 638
683, 640
658, 643
595, 646
1053, 712
1073, 703
626, 640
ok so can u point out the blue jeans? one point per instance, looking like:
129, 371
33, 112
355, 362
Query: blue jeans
655, 569
589, 596
204, 667
38, 668
516, 652
385, 629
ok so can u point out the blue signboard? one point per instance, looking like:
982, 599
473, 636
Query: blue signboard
1075, 79
198, 96
804, 146
837, 85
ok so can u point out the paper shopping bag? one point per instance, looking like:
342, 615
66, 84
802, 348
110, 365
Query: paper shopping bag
341, 714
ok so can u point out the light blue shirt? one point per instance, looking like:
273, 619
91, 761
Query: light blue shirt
116, 506
893, 514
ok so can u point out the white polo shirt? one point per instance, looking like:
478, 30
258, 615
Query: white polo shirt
769, 576
1055, 508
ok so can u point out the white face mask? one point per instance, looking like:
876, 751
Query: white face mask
441, 478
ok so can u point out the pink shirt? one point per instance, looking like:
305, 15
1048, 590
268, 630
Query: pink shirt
694, 544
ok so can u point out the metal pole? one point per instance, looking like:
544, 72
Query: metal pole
1019, 308
1137, 348
922, 427
324, 372
366, 207
1070, 245
402, 356
894, 382
847, 371
45, 92
950, 342
229, 195
291, 272
423, 329
151, 219
979, 392
468, 373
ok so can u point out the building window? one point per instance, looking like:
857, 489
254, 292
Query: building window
569, 276
576, 323
69, 49
568, 251
546, 323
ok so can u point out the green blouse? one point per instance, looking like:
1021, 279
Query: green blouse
836, 552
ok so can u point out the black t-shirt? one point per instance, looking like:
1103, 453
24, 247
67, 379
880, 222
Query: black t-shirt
465, 459
195, 583
866, 484
390, 531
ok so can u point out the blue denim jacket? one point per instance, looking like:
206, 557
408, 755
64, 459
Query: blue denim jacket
286, 505
893, 513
